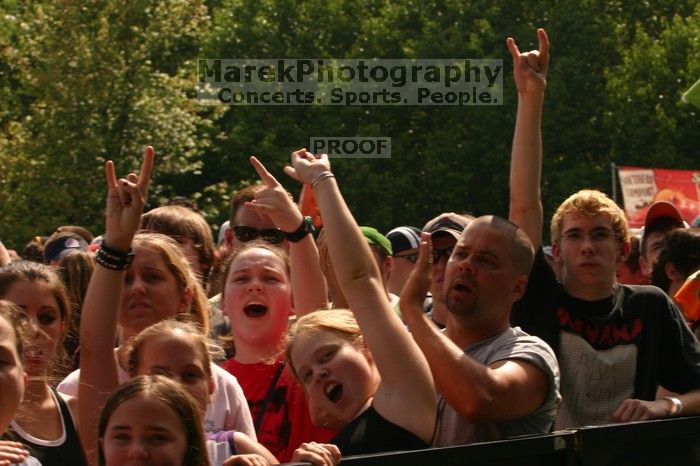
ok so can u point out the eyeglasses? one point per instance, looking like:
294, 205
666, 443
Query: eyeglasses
409, 257
438, 254
600, 235
270, 235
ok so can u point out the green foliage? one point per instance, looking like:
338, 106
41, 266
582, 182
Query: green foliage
82, 81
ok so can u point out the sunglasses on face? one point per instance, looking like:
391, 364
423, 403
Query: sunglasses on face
409, 257
270, 235
438, 254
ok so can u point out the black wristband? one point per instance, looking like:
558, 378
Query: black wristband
113, 259
306, 227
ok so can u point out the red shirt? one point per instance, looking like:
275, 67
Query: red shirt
286, 423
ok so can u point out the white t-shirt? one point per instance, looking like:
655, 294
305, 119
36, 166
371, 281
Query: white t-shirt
227, 410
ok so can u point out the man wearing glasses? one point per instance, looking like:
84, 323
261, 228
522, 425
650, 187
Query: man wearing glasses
615, 343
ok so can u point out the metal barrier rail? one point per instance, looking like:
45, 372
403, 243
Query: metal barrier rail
673, 442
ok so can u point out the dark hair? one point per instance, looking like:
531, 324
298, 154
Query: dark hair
182, 201
681, 248
242, 196
34, 250
27, 271
176, 220
75, 271
659, 225
632, 260
172, 395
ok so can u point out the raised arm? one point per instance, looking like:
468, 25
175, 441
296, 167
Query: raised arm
506, 389
308, 284
98, 365
406, 394
530, 70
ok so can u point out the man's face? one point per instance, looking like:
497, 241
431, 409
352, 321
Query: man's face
589, 254
443, 243
245, 216
653, 245
480, 278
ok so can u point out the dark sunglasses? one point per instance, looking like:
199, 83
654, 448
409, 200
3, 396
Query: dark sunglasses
270, 235
409, 257
438, 254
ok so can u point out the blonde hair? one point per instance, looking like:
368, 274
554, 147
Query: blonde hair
591, 203
179, 266
340, 322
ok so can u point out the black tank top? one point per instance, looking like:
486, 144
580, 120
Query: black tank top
62, 452
371, 433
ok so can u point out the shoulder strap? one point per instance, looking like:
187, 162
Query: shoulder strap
268, 398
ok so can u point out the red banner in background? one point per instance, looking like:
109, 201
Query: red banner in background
641, 187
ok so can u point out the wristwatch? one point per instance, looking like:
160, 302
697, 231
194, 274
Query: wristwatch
306, 227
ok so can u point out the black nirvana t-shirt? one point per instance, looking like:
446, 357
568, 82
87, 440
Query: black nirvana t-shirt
609, 350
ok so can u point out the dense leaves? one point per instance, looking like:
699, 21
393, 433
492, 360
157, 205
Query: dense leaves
81, 81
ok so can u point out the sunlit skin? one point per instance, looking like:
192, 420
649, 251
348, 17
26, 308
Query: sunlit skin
257, 299
337, 377
144, 430
12, 379
590, 256
150, 293
39, 304
175, 356
476, 274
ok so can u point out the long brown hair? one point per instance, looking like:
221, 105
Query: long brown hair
172, 395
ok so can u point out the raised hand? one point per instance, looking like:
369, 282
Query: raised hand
418, 283
530, 68
306, 167
274, 201
126, 199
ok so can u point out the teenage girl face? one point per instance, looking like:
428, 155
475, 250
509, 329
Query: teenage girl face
337, 376
150, 292
257, 297
11, 375
39, 304
144, 430
175, 356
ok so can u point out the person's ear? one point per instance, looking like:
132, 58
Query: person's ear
672, 272
625, 249
556, 253
519, 288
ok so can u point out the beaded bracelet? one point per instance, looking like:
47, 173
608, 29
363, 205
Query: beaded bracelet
112, 259
320, 177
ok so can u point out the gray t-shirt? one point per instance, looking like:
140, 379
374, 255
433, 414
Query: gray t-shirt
511, 344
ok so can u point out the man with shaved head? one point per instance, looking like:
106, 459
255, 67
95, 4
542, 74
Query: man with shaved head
495, 381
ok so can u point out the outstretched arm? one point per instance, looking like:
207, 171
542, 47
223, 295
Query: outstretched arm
98, 366
406, 394
506, 389
530, 70
308, 284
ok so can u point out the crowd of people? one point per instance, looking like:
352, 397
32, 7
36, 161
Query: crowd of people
283, 343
